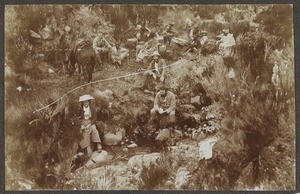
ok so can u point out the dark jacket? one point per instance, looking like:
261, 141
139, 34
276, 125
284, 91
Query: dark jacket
93, 112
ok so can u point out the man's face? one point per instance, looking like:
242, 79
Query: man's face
155, 57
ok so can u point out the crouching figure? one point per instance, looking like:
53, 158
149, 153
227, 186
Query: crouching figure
87, 115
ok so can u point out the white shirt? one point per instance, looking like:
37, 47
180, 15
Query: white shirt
87, 112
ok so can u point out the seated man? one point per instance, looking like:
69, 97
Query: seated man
156, 70
163, 111
102, 48
168, 33
87, 116
118, 54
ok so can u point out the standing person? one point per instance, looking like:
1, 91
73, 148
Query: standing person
163, 111
87, 115
156, 70
102, 48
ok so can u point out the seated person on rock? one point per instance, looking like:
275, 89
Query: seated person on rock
168, 33
87, 116
102, 48
163, 111
156, 70
118, 54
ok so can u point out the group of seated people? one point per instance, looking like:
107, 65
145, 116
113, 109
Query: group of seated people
162, 115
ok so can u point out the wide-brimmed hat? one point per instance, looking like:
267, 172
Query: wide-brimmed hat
85, 97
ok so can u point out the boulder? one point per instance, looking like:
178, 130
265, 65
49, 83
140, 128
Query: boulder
111, 138
47, 33
137, 162
34, 34
205, 147
165, 135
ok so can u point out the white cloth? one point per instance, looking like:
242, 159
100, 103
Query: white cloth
156, 67
87, 112
227, 41
203, 39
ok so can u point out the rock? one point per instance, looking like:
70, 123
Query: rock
188, 108
133, 145
46, 33
67, 28
24, 185
114, 138
165, 134
50, 71
196, 100
104, 99
205, 147
199, 71
182, 178
231, 73
98, 158
137, 162
34, 34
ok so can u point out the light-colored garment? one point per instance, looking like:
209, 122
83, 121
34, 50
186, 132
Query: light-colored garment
227, 41
188, 23
100, 44
165, 102
158, 68
118, 55
87, 112
203, 40
90, 135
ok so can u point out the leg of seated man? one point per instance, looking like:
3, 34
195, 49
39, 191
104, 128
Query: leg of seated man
155, 118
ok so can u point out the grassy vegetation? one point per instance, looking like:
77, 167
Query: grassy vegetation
257, 130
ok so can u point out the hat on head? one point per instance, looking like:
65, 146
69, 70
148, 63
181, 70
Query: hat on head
172, 23
85, 97
155, 53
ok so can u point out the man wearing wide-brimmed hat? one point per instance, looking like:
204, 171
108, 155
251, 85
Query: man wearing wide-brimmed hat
156, 69
87, 115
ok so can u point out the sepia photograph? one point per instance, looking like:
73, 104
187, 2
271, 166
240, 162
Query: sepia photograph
149, 97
